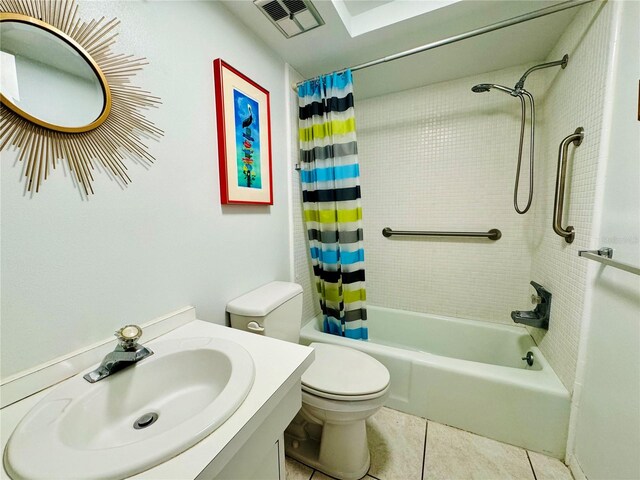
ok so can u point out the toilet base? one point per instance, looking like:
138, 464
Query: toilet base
341, 451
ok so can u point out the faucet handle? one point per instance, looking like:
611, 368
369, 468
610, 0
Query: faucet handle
541, 292
128, 335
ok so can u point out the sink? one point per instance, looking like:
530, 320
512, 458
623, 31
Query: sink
136, 418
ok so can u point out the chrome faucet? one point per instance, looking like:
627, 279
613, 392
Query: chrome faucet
127, 352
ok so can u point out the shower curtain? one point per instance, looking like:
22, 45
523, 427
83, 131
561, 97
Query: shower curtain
331, 200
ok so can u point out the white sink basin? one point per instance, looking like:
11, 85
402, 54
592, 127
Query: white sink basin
84, 430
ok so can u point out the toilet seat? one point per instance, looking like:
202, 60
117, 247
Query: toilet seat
344, 398
346, 374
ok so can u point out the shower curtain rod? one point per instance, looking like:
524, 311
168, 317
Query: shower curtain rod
463, 36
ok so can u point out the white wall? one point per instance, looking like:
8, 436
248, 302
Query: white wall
607, 399
74, 270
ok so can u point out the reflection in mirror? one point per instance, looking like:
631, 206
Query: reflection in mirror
48, 79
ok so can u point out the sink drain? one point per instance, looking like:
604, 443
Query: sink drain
145, 420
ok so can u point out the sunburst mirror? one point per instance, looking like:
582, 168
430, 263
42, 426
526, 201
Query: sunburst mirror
66, 96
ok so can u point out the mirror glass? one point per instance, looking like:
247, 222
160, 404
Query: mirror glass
47, 78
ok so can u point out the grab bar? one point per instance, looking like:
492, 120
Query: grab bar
605, 255
493, 234
575, 138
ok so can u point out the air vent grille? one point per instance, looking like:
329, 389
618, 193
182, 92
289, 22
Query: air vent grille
291, 17
275, 10
294, 6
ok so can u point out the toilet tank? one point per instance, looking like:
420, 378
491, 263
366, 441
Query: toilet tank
273, 310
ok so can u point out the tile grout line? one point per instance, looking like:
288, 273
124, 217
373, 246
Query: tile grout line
313, 470
531, 465
424, 449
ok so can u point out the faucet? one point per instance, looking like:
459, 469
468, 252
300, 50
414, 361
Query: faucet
538, 317
127, 352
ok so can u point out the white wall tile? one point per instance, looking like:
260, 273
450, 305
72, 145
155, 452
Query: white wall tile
575, 98
443, 158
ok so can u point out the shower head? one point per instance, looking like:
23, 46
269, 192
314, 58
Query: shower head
518, 90
485, 87
480, 88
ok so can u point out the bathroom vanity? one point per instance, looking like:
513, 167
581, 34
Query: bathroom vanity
247, 445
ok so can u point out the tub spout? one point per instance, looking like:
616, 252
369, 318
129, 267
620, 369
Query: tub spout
530, 318
539, 316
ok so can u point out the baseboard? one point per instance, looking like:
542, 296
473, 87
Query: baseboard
575, 468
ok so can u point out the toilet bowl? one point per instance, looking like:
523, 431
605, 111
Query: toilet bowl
340, 390
338, 400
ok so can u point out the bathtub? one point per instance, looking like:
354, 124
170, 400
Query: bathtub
467, 374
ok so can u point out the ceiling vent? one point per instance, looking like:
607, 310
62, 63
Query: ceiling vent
291, 17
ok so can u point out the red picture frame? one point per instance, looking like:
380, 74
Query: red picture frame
243, 114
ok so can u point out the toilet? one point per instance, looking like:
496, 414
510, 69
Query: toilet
340, 390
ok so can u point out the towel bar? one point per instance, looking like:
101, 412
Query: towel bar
605, 255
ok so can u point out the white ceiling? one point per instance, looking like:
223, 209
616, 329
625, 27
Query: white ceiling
356, 7
332, 46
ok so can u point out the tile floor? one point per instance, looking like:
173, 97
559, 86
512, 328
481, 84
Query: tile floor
404, 447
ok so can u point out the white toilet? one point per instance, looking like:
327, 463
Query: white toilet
340, 390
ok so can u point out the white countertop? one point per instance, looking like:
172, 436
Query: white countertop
278, 367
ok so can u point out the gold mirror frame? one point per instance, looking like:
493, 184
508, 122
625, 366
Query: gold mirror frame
106, 91
114, 136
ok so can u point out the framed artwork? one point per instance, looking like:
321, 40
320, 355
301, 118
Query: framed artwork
244, 137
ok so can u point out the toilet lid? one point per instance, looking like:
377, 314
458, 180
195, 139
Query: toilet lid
344, 371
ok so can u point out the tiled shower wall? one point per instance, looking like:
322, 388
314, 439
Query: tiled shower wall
574, 98
443, 158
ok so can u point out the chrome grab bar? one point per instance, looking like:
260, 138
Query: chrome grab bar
558, 204
493, 234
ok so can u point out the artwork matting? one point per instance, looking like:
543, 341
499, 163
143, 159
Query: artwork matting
244, 137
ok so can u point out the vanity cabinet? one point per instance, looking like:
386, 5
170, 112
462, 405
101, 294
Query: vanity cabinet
269, 467
261, 457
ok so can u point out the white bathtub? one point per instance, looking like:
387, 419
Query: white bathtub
465, 373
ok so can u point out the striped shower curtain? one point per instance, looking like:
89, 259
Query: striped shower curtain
331, 201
